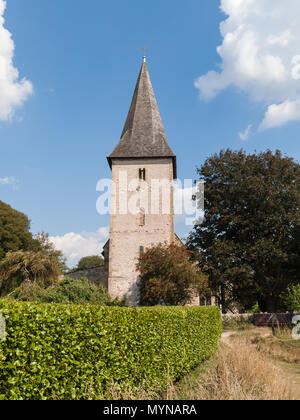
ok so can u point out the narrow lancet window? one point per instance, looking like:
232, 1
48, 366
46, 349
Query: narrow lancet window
142, 216
142, 250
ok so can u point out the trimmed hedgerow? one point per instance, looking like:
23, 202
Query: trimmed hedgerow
74, 352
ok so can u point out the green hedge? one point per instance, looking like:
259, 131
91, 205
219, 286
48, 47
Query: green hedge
75, 352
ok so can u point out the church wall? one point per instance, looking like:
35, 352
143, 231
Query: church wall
127, 236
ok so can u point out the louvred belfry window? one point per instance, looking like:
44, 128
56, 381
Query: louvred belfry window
142, 174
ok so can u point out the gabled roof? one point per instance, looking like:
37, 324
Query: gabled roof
143, 135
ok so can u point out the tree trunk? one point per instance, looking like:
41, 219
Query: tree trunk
223, 300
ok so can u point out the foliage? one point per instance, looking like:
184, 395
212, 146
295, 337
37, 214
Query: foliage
78, 291
255, 309
241, 322
167, 274
66, 351
29, 292
75, 291
249, 241
14, 231
90, 262
22, 256
43, 243
27, 266
291, 298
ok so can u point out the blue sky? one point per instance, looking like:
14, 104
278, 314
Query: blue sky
83, 58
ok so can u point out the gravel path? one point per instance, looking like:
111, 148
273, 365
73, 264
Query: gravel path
226, 335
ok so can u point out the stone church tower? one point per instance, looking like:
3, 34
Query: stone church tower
141, 159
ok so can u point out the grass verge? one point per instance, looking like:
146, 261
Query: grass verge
250, 365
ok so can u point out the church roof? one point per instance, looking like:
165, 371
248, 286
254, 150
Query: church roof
143, 135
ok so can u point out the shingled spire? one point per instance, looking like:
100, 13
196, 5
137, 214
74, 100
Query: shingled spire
143, 135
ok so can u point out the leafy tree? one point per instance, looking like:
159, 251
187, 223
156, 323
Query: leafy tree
90, 262
249, 241
14, 231
27, 266
22, 256
167, 275
291, 298
43, 243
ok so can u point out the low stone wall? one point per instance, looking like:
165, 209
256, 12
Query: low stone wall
96, 275
271, 320
261, 320
237, 317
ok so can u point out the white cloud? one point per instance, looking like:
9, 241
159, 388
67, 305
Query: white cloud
9, 181
278, 115
245, 135
260, 56
78, 245
13, 91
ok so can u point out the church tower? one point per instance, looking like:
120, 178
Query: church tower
142, 165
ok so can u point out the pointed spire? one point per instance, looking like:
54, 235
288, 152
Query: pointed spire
143, 135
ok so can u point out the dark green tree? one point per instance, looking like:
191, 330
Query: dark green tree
249, 241
90, 262
14, 231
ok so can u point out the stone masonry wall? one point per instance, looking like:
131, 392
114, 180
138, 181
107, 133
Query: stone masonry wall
95, 276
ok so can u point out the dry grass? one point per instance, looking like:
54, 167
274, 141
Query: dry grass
241, 372
281, 347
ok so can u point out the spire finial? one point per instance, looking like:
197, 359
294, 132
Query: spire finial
144, 50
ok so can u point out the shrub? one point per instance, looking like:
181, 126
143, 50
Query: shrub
237, 322
167, 274
30, 267
29, 292
76, 291
71, 352
255, 309
291, 298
